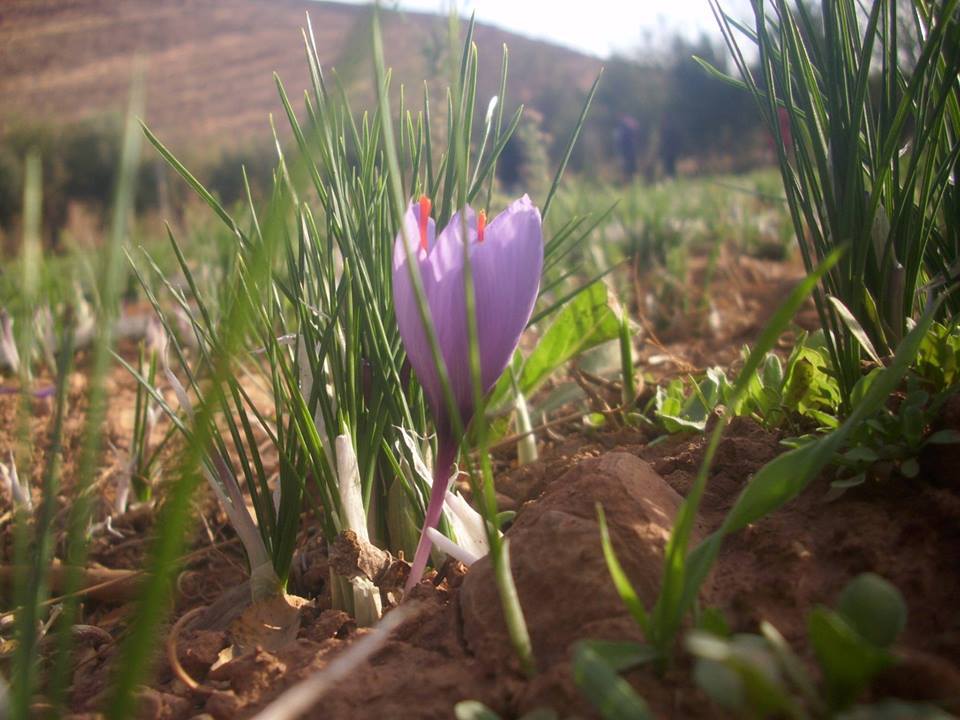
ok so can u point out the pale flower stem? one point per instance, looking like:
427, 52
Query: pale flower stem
527, 444
446, 451
448, 546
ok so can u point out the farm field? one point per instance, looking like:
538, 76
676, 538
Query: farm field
426, 413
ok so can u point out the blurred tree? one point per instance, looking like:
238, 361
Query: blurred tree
654, 109
11, 187
631, 93
703, 116
524, 165
89, 153
43, 139
225, 176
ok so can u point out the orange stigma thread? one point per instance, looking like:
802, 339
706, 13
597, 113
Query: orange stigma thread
481, 225
424, 217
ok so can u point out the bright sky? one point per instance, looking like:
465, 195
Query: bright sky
598, 27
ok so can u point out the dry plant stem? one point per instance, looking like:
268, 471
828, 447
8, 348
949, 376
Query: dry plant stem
89, 634
601, 381
103, 584
599, 402
682, 365
225, 609
174, 661
97, 591
351, 556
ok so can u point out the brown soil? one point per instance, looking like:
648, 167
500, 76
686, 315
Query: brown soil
456, 648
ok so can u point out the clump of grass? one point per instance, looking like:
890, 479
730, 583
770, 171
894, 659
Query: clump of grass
867, 145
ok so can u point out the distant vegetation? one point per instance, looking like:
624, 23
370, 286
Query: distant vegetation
651, 118
79, 166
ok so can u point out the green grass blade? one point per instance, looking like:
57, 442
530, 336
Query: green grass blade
620, 580
677, 592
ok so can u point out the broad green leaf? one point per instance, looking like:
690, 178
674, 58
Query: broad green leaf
678, 412
783, 478
609, 693
741, 674
848, 661
684, 573
861, 453
944, 437
910, 468
473, 710
855, 328
586, 322
858, 479
622, 655
791, 665
720, 682
874, 608
863, 386
772, 372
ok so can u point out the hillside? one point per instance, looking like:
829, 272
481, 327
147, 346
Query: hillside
209, 63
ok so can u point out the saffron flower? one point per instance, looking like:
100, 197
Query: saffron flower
506, 259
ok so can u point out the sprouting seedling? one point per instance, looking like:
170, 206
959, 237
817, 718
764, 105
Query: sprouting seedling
527, 444
506, 258
223, 482
9, 357
19, 492
135, 473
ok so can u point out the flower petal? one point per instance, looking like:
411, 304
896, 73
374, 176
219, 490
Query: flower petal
409, 322
411, 227
447, 254
506, 271
449, 313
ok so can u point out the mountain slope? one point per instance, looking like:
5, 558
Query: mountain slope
209, 63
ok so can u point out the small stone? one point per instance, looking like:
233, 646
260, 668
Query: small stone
160, 706
223, 705
329, 623
199, 652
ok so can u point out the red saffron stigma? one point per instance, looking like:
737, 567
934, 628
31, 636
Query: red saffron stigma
424, 217
481, 224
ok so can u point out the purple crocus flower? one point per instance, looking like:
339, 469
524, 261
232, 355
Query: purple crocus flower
506, 258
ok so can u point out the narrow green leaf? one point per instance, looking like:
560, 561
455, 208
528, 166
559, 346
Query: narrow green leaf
620, 580
587, 321
855, 328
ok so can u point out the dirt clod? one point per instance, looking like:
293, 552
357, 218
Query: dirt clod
558, 564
